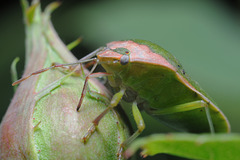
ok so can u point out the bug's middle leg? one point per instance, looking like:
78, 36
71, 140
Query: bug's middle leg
114, 102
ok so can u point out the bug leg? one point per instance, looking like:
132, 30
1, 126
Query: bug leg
140, 125
85, 86
98, 96
114, 102
84, 90
187, 107
209, 119
52, 86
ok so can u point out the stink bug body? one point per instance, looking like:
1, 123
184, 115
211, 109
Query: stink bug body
152, 79
162, 87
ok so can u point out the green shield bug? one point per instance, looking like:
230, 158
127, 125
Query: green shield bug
153, 80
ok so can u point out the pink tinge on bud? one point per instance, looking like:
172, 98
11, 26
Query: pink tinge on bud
42, 122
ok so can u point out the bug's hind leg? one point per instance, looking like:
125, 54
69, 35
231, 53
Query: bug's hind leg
187, 107
212, 130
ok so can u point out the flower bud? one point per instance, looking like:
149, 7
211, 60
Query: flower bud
41, 121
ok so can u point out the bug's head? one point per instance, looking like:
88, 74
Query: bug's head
115, 55
125, 55
115, 59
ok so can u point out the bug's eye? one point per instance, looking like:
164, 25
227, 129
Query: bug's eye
124, 59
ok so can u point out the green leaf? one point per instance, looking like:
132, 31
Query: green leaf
194, 146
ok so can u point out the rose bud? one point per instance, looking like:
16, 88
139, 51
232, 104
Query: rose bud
41, 121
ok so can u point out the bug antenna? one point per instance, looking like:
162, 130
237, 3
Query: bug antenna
54, 66
94, 53
34, 73
87, 58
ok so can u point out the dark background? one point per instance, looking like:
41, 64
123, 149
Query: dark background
203, 34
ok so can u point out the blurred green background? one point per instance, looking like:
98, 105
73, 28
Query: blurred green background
203, 34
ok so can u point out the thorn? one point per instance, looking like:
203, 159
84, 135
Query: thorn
35, 127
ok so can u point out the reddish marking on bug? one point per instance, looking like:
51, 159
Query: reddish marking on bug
184, 81
33, 118
139, 53
108, 54
39, 150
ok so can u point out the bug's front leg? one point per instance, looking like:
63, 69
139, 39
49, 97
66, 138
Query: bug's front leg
114, 102
85, 87
140, 125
